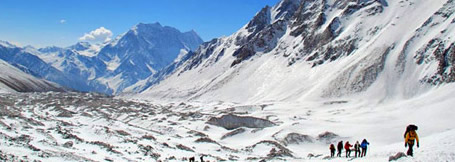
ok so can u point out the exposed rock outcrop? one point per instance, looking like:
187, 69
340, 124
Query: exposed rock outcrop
231, 121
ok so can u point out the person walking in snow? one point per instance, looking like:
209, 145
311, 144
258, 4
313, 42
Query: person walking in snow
364, 146
410, 138
347, 147
357, 149
202, 158
340, 148
332, 150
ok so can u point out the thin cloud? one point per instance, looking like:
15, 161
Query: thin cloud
99, 35
62, 21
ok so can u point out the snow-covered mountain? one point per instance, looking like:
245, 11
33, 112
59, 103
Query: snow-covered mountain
14, 80
77, 61
142, 52
311, 49
28, 60
133, 56
106, 68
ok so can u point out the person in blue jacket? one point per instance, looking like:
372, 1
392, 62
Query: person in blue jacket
364, 146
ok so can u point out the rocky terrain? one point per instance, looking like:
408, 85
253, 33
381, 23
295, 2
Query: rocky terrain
94, 127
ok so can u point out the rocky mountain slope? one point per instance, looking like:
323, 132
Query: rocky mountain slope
308, 49
14, 80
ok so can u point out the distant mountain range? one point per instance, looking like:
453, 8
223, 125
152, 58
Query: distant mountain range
106, 68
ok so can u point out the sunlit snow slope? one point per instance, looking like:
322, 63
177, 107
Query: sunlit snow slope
308, 50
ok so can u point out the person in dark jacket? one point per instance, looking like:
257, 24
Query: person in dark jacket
332, 150
357, 149
340, 148
364, 146
347, 147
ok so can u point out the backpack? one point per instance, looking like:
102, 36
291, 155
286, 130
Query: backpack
410, 128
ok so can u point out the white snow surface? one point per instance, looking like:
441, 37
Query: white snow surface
123, 125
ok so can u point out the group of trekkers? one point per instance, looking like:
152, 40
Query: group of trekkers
360, 149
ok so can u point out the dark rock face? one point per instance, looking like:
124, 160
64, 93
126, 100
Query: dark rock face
232, 122
243, 53
327, 137
445, 56
183, 147
68, 144
260, 21
233, 133
273, 153
296, 138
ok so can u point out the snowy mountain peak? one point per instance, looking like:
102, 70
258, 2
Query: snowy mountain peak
7, 44
86, 48
80, 46
260, 21
284, 9
146, 48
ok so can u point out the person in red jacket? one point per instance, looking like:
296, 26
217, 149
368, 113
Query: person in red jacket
347, 147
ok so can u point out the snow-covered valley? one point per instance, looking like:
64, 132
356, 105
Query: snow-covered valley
92, 127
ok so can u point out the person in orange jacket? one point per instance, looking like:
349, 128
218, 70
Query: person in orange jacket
332, 150
410, 138
347, 147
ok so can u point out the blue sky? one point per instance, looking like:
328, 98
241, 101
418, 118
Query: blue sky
62, 22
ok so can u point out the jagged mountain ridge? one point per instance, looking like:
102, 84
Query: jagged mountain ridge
310, 49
